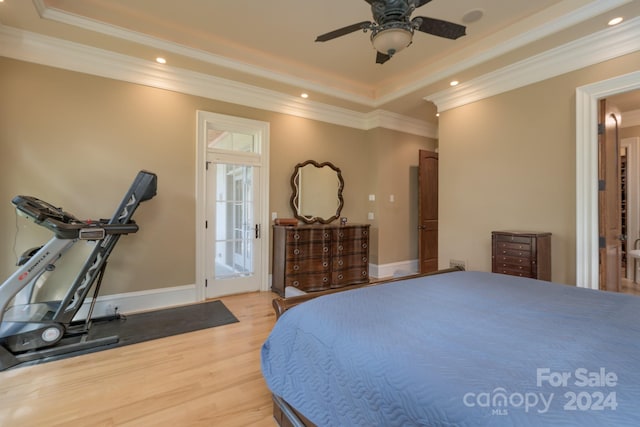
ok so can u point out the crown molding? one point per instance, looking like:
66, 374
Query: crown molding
504, 42
630, 119
50, 51
56, 15
499, 44
595, 48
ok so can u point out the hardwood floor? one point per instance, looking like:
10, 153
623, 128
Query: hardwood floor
205, 378
628, 287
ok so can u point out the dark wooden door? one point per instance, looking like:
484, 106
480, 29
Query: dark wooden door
428, 211
609, 223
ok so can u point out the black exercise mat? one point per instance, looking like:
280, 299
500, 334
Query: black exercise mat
152, 325
163, 323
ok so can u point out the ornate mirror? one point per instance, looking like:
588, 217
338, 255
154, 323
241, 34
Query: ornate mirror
317, 192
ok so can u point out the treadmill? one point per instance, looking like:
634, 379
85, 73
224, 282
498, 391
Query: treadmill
32, 330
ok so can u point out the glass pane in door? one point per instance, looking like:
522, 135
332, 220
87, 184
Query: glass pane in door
235, 224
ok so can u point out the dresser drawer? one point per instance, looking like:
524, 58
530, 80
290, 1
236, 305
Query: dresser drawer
350, 261
308, 265
514, 246
347, 247
309, 282
349, 277
514, 252
512, 260
307, 250
349, 233
308, 235
507, 238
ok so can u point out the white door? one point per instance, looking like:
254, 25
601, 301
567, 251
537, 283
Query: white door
232, 245
233, 250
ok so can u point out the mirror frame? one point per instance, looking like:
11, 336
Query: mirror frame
295, 194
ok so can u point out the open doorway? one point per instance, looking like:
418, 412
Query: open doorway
628, 105
587, 237
618, 219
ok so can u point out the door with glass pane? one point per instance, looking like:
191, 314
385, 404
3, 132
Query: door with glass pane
232, 228
231, 205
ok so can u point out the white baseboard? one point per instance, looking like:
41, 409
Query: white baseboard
132, 302
394, 269
154, 299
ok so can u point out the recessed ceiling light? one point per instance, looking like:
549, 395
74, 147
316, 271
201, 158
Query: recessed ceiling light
454, 83
472, 16
304, 95
616, 21
161, 60
437, 114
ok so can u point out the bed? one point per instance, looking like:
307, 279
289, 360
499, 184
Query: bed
456, 349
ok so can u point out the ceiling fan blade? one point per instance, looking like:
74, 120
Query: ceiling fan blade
343, 31
440, 28
420, 3
381, 58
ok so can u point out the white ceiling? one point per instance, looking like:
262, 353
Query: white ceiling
270, 44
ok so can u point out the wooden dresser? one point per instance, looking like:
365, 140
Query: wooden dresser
521, 253
319, 257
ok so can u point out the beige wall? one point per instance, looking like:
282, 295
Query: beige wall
77, 141
393, 225
508, 162
631, 131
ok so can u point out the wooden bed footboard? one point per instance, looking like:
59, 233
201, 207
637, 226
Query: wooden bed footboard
280, 305
286, 416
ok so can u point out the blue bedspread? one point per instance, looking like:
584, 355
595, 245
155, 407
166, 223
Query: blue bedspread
460, 349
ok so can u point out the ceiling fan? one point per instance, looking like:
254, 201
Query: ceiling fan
393, 28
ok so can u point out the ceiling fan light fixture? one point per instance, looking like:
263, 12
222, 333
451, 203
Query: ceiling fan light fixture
391, 40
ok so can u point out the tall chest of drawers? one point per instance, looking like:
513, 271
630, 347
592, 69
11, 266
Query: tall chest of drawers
521, 253
319, 257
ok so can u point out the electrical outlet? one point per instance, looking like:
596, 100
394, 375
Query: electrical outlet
457, 263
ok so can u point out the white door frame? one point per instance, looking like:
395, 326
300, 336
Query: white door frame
241, 125
587, 172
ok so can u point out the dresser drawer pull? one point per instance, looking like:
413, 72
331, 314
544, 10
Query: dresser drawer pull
340, 247
325, 264
325, 249
296, 251
325, 279
364, 259
325, 235
340, 262
296, 236
296, 283
296, 267
340, 276
364, 246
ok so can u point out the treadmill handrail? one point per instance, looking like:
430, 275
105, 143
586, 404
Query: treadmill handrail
63, 224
